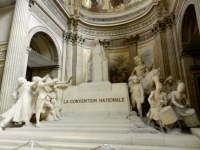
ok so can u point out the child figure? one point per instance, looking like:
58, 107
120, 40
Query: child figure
137, 94
57, 108
157, 99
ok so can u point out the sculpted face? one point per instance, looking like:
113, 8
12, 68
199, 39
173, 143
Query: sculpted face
181, 87
159, 87
135, 80
96, 41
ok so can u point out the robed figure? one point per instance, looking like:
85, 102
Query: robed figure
99, 63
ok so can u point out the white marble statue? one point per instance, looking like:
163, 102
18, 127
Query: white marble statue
140, 70
170, 85
137, 94
24, 102
157, 99
179, 100
43, 99
99, 63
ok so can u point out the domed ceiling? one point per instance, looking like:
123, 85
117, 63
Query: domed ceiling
112, 11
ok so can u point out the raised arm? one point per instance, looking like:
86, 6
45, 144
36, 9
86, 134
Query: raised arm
52, 82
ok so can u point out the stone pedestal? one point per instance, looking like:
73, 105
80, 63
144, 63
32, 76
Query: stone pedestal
101, 99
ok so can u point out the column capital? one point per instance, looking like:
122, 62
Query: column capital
165, 23
132, 39
105, 43
31, 3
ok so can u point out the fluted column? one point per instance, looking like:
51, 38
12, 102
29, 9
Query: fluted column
106, 45
16, 53
197, 10
171, 48
64, 57
69, 55
132, 43
161, 49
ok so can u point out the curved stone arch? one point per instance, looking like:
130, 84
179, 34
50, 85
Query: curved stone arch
35, 30
182, 13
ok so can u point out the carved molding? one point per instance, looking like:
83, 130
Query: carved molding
3, 54
166, 22
52, 7
73, 37
31, 3
105, 43
132, 39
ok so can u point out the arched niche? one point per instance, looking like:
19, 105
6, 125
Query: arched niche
189, 25
44, 57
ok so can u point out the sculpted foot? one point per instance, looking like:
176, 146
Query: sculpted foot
27, 123
1, 130
56, 119
39, 126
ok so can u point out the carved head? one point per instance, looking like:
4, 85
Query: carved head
138, 60
181, 87
159, 86
21, 80
134, 79
96, 41
36, 79
169, 79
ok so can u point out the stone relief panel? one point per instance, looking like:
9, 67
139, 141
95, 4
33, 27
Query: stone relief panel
147, 53
119, 65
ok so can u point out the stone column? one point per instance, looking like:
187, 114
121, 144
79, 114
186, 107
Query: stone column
171, 48
16, 53
79, 66
74, 57
64, 56
132, 44
161, 49
69, 55
106, 45
197, 10
26, 60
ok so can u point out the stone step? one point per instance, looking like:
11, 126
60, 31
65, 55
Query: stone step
10, 144
158, 140
100, 124
86, 130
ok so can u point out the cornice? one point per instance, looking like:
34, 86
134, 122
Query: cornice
51, 5
135, 27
